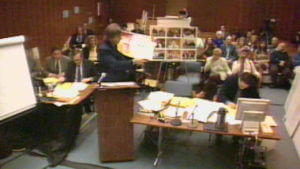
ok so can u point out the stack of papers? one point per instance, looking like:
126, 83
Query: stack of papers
69, 90
204, 109
182, 101
118, 84
160, 96
150, 105
171, 111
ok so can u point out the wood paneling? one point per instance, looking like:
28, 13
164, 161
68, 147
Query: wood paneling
124, 11
244, 15
42, 23
174, 6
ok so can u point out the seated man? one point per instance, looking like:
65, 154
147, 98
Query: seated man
57, 64
274, 45
217, 66
228, 50
80, 70
296, 60
218, 42
280, 63
243, 85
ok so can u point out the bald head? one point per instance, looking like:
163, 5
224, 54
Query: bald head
281, 47
113, 33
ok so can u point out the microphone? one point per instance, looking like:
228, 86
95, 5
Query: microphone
103, 75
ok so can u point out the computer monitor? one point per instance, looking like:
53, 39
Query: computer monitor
257, 107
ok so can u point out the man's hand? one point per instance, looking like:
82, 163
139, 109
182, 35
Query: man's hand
232, 105
139, 61
86, 80
52, 75
281, 63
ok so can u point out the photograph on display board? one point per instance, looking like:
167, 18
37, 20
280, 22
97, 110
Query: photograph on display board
160, 43
188, 55
158, 32
173, 55
173, 43
174, 32
189, 44
189, 33
159, 54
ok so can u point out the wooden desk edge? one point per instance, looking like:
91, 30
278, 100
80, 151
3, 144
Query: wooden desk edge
274, 136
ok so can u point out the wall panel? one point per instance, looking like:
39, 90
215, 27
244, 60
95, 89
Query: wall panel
42, 23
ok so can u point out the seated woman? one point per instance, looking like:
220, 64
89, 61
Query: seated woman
216, 66
208, 48
244, 64
241, 42
235, 86
78, 38
90, 51
217, 70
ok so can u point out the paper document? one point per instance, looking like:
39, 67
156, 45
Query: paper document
269, 120
184, 101
204, 109
171, 111
118, 84
150, 105
160, 96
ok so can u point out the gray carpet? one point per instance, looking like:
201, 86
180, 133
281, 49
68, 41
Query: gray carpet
182, 150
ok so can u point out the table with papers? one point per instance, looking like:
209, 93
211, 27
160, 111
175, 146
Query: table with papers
202, 110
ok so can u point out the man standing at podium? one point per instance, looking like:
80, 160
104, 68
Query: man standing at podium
117, 66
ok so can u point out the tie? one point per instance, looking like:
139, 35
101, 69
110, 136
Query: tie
57, 67
242, 66
227, 53
78, 75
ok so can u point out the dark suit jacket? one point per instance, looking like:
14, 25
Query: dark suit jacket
75, 43
50, 64
86, 52
88, 71
278, 56
232, 52
229, 89
117, 66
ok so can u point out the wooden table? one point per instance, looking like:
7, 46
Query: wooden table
67, 118
114, 106
233, 130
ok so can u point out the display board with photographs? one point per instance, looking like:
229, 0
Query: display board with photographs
174, 43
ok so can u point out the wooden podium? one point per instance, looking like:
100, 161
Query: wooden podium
114, 106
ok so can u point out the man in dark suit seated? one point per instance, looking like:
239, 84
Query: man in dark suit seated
280, 63
80, 70
117, 66
57, 64
235, 86
228, 50
86, 30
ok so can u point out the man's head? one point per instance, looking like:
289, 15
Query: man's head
223, 28
228, 40
113, 33
56, 53
217, 53
219, 34
77, 57
247, 80
79, 30
244, 52
281, 47
275, 41
85, 26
